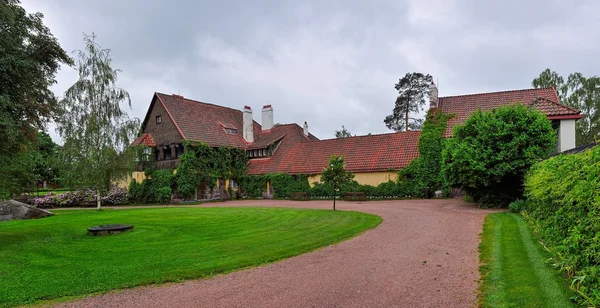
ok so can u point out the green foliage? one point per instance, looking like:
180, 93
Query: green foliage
284, 184
202, 164
564, 207
96, 130
517, 206
66, 262
30, 57
425, 171
163, 194
490, 153
253, 186
156, 188
579, 92
412, 89
343, 133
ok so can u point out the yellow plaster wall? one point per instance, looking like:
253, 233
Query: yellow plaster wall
365, 178
139, 177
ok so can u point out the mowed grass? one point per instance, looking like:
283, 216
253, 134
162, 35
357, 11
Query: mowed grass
55, 257
513, 267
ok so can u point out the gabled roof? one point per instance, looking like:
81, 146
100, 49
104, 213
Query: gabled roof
205, 122
544, 99
383, 152
145, 139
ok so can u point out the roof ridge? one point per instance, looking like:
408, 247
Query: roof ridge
196, 101
372, 135
497, 92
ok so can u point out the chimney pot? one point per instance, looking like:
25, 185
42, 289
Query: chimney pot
305, 129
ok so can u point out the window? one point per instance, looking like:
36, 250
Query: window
231, 131
158, 119
167, 151
233, 184
146, 154
264, 152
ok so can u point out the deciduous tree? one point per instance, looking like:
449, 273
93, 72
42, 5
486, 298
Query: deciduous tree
490, 153
579, 92
95, 128
30, 56
336, 175
412, 89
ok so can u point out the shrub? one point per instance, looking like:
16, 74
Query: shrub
517, 206
148, 190
564, 208
80, 197
163, 194
116, 196
490, 153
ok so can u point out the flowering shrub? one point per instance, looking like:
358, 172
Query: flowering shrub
80, 197
116, 196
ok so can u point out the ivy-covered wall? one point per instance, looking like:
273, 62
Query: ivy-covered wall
201, 164
425, 171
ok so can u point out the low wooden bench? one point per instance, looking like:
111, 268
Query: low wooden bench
299, 196
355, 196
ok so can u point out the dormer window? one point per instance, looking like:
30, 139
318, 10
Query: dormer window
231, 131
158, 119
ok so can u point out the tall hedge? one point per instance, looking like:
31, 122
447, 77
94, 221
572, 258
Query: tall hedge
490, 153
563, 205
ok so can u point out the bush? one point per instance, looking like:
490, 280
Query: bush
149, 191
80, 197
564, 208
163, 195
116, 196
490, 153
517, 206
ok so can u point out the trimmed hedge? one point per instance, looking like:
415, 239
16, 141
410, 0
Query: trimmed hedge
564, 207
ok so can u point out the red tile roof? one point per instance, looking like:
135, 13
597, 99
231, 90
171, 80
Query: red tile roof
145, 139
462, 106
362, 154
206, 122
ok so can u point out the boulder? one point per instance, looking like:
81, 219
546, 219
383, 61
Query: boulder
15, 210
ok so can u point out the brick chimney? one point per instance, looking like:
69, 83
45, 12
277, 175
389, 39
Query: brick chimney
433, 96
248, 129
305, 129
267, 117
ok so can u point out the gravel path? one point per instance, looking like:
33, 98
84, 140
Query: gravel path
424, 254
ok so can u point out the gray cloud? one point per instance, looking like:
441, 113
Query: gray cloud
330, 63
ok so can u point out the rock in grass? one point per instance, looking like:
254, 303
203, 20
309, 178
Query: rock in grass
15, 210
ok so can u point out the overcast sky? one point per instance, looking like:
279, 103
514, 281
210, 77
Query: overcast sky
330, 63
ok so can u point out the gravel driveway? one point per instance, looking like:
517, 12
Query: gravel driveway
424, 254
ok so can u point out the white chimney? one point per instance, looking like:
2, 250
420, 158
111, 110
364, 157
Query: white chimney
267, 117
433, 95
248, 129
305, 129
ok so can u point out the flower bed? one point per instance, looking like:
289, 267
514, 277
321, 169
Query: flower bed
81, 198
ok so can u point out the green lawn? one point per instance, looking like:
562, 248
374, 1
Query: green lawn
55, 257
513, 267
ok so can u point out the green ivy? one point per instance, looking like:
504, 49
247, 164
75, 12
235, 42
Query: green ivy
425, 171
202, 164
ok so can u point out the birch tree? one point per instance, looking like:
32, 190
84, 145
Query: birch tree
95, 128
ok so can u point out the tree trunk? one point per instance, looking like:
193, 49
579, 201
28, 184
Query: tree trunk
406, 120
99, 201
334, 201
